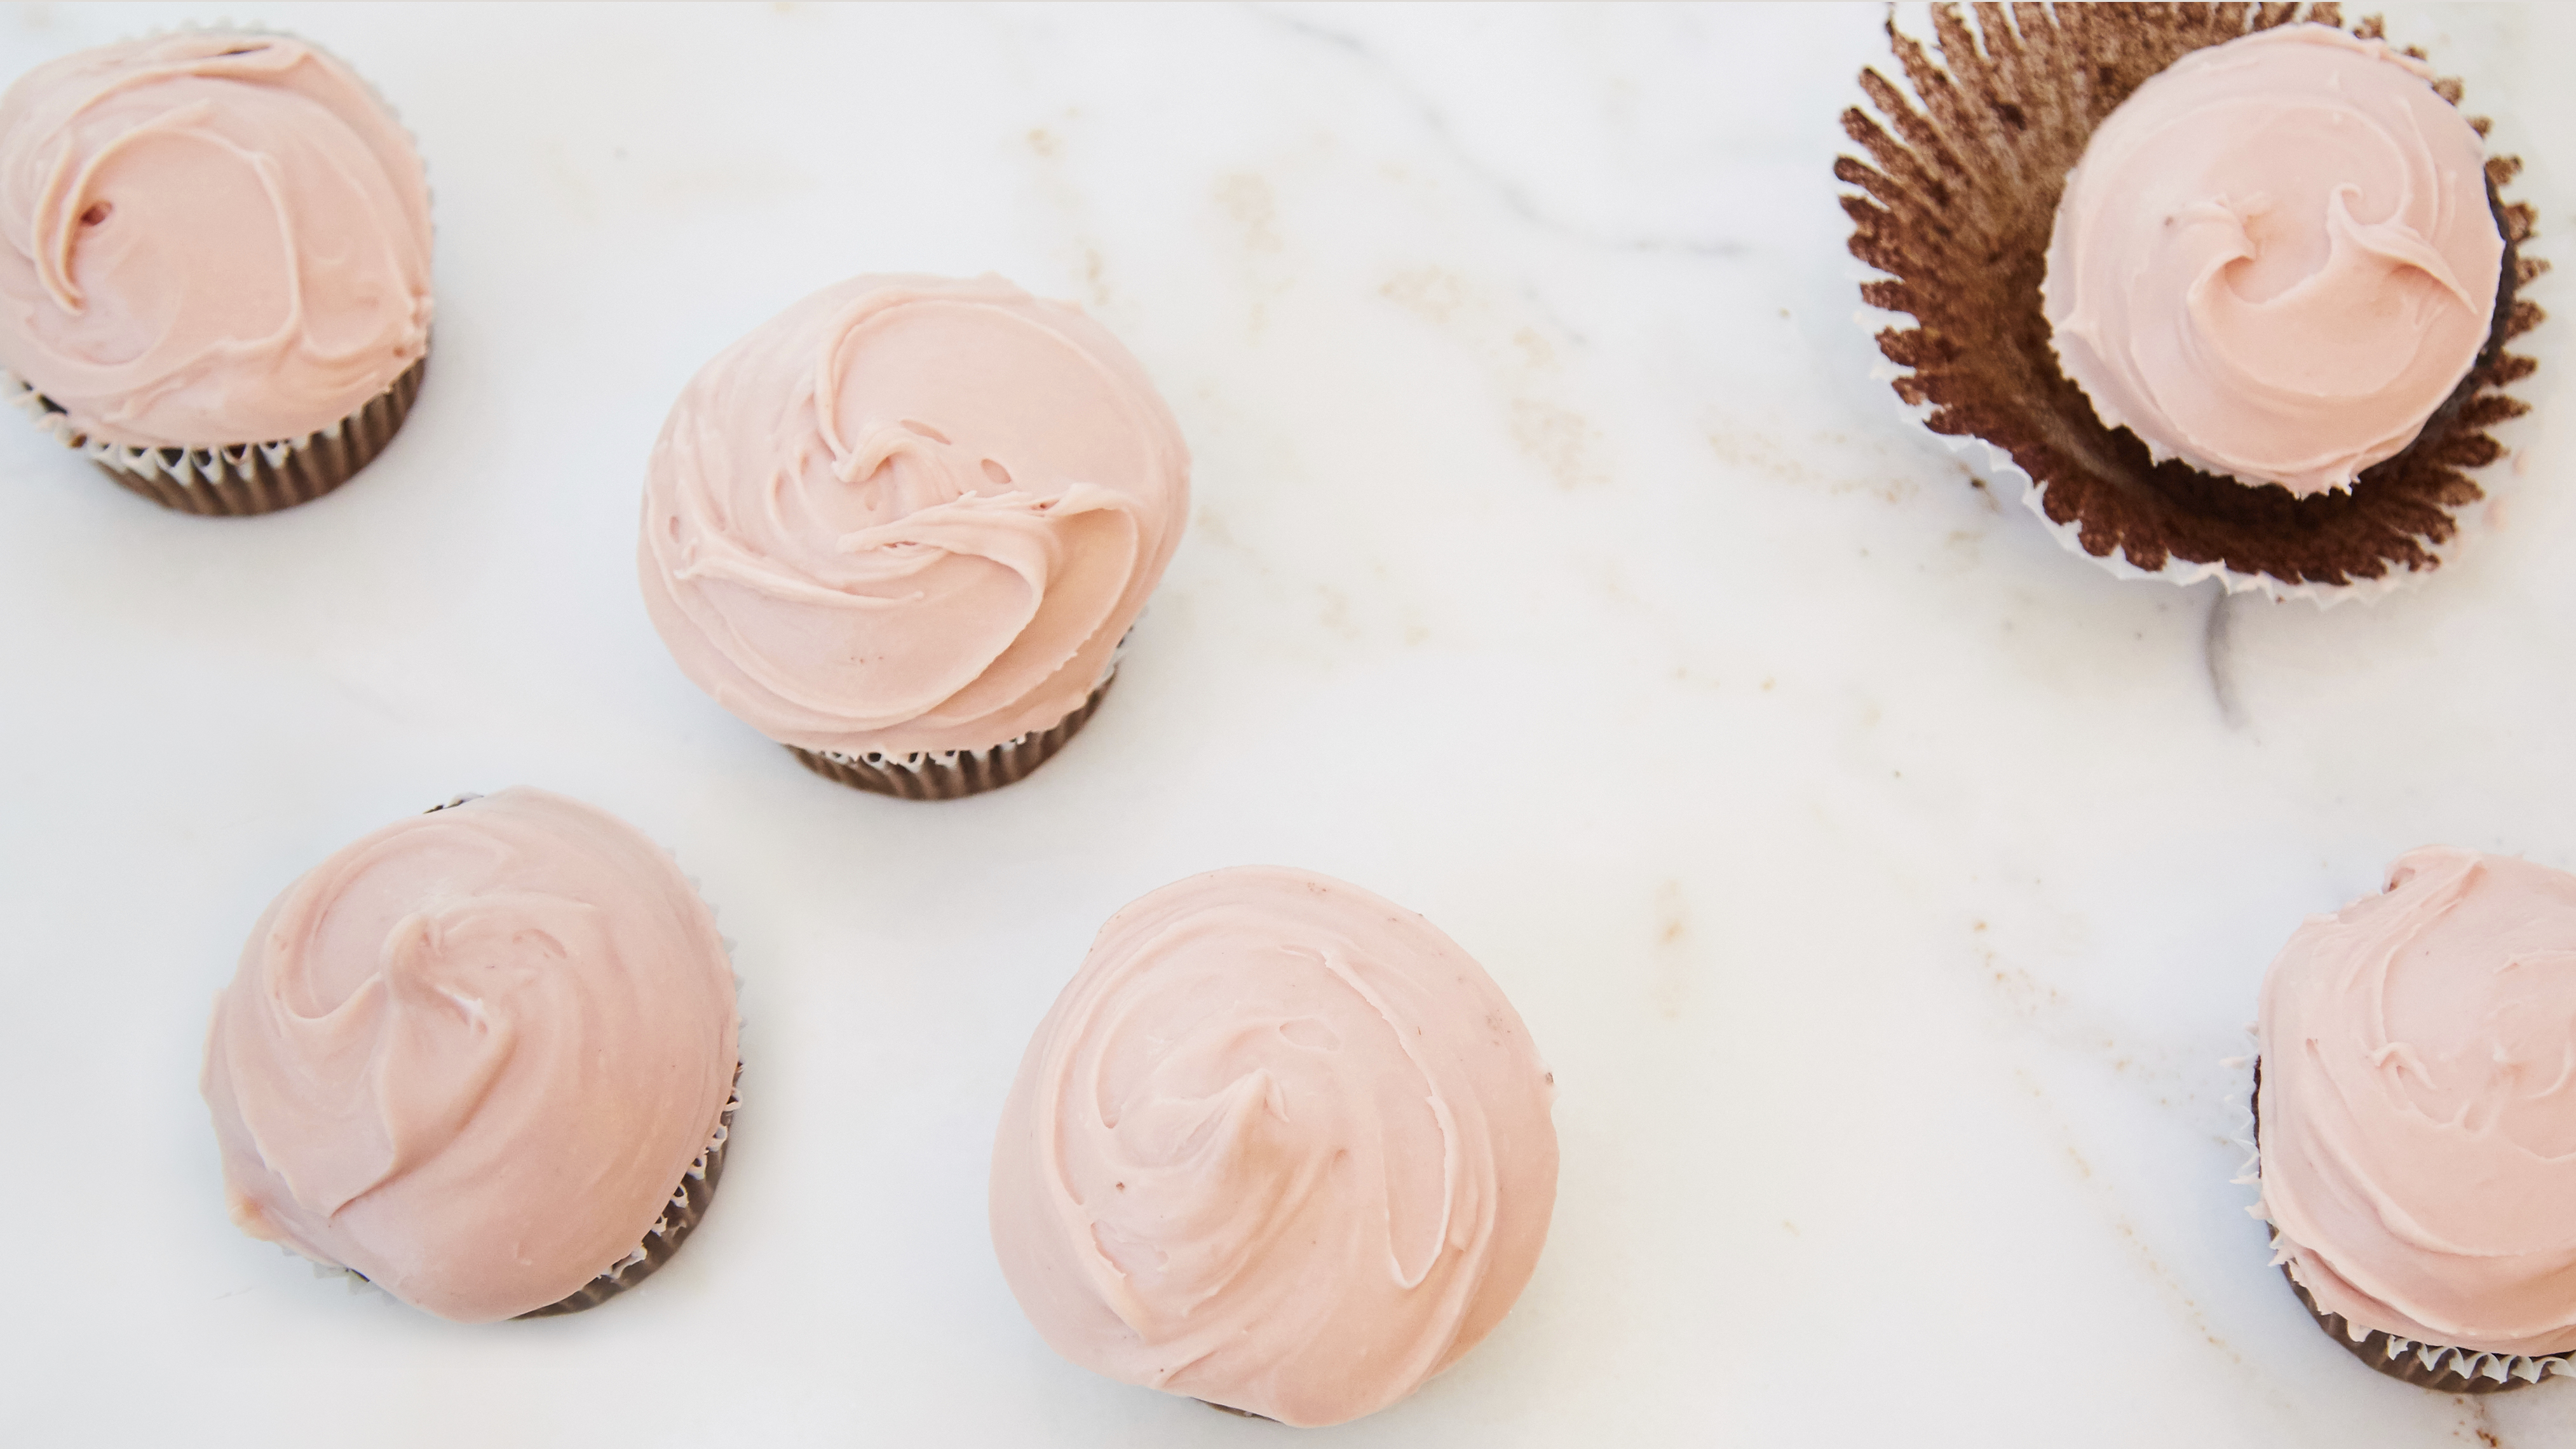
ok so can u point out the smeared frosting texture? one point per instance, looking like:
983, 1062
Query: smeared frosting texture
1280, 1145
2418, 1108
910, 514
471, 1055
212, 238
2276, 259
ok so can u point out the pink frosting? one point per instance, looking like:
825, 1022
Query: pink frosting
2418, 1110
2276, 259
910, 515
212, 238
1280, 1145
471, 1055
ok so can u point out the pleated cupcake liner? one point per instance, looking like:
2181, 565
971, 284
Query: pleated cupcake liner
235, 480
1953, 212
956, 774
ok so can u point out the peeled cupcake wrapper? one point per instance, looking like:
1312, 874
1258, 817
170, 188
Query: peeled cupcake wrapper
236, 480
956, 774
1955, 215
2426, 1365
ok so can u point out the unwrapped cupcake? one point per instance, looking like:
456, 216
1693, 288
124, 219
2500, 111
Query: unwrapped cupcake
1281, 1146
2232, 293
903, 526
216, 278
483, 1057
2415, 1120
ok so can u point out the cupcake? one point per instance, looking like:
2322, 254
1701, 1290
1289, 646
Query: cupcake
216, 282
483, 1058
2415, 1120
1281, 1146
2232, 294
902, 527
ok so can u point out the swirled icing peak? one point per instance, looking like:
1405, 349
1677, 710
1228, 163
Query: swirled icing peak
1280, 1145
212, 238
471, 1055
2276, 258
2418, 1109
910, 514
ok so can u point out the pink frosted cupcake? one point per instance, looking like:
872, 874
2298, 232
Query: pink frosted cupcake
902, 527
1280, 1146
483, 1057
2226, 296
2415, 1113
216, 284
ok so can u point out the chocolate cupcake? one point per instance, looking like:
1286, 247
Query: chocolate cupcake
484, 1058
2415, 1121
903, 527
2232, 292
1280, 1146
216, 284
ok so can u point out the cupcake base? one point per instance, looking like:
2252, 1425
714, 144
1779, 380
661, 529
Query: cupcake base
1957, 202
2431, 1366
240, 480
2425, 1365
952, 775
679, 1219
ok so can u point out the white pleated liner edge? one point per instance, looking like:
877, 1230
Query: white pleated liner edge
188, 469
918, 761
2467, 1363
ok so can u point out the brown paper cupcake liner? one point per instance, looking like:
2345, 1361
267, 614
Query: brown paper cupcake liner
1957, 201
2430, 1366
2426, 1365
237, 480
954, 775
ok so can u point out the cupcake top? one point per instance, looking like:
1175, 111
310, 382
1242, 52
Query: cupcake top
2418, 1105
2276, 258
213, 238
1280, 1145
910, 514
471, 1055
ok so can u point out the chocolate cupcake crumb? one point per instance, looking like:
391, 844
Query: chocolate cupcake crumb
1956, 204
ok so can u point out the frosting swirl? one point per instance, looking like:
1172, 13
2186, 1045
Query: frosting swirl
212, 238
2418, 1109
1280, 1145
471, 1055
910, 514
2276, 259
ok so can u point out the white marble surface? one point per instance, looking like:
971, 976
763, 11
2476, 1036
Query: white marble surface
1886, 886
